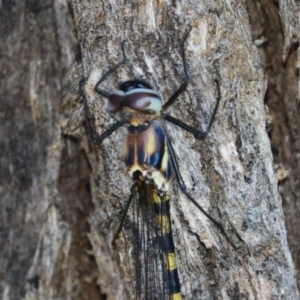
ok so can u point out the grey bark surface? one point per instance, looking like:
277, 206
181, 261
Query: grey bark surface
288, 125
62, 197
43, 225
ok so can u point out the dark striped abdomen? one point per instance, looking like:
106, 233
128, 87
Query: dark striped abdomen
162, 209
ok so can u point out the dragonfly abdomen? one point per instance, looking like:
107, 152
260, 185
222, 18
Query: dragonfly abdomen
162, 209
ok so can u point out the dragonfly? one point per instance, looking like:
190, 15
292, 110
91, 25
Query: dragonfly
150, 158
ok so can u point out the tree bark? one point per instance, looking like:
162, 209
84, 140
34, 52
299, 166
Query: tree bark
43, 226
62, 197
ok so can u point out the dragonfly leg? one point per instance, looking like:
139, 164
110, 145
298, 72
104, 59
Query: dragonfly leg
95, 137
110, 71
185, 83
132, 194
184, 190
197, 133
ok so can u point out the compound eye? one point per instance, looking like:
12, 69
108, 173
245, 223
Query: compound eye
134, 84
143, 100
115, 101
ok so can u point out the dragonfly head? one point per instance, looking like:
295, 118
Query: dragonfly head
134, 99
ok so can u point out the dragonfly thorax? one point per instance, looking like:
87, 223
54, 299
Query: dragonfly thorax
134, 100
146, 153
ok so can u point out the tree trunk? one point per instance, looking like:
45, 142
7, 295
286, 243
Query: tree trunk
62, 197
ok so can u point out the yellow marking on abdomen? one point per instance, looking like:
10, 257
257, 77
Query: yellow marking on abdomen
156, 198
171, 261
164, 223
176, 296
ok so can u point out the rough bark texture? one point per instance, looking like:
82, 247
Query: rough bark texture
57, 221
44, 200
280, 61
288, 125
